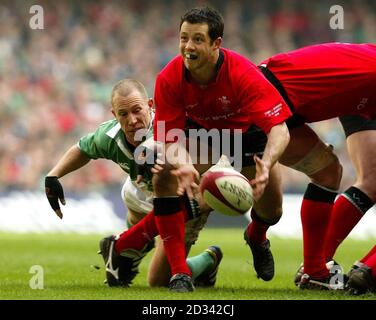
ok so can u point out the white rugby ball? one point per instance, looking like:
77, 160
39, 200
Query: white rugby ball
226, 191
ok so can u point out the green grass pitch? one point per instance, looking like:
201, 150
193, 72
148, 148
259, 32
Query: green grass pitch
67, 261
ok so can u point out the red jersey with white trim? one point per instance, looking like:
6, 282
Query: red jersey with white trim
328, 80
238, 97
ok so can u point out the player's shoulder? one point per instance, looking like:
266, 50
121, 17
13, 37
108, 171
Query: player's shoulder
235, 58
237, 64
98, 143
170, 78
108, 129
172, 69
108, 125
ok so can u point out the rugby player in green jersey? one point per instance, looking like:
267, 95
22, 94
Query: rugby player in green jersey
117, 140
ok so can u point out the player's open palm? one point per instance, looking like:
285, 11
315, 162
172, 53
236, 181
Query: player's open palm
188, 178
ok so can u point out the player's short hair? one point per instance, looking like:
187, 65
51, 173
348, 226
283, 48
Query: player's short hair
126, 86
207, 15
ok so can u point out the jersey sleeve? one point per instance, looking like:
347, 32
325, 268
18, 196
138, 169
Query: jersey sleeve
261, 101
93, 145
169, 111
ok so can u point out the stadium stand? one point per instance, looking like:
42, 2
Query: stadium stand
55, 83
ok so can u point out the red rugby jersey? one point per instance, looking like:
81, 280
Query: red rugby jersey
239, 96
328, 80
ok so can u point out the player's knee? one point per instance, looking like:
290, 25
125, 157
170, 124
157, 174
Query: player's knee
329, 177
322, 165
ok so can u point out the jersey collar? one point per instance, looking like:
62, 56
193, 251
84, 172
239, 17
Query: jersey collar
221, 59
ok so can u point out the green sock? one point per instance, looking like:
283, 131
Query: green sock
199, 264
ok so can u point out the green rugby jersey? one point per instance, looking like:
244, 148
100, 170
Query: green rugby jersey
109, 142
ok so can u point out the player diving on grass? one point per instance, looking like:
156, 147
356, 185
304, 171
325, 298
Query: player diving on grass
116, 140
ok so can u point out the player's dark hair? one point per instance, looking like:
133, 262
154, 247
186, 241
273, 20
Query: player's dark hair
207, 15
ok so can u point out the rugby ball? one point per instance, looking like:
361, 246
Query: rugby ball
226, 191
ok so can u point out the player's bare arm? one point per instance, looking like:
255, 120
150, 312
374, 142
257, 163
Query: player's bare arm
278, 139
186, 174
72, 160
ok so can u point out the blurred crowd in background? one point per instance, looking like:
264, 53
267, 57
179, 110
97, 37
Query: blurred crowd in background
55, 83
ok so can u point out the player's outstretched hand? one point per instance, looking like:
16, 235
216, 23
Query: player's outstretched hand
155, 169
54, 192
188, 178
150, 159
261, 180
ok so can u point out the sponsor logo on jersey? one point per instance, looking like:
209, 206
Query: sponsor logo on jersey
362, 104
274, 112
225, 103
191, 106
219, 117
124, 165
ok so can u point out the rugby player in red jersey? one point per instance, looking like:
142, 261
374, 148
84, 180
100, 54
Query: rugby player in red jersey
328, 80
216, 88
321, 82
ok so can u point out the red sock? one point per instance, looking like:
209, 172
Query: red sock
344, 218
172, 232
371, 262
348, 209
256, 230
170, 220
315, 214
369, 254
138, 235
144, 231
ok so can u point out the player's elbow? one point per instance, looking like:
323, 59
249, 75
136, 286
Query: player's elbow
280, 133
285, 133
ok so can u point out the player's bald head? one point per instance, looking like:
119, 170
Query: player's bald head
127, 86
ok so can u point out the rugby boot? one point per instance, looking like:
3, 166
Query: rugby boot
331, 265
331, 282
208, 279
181, 282
122, 268
360, 280
263, 261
